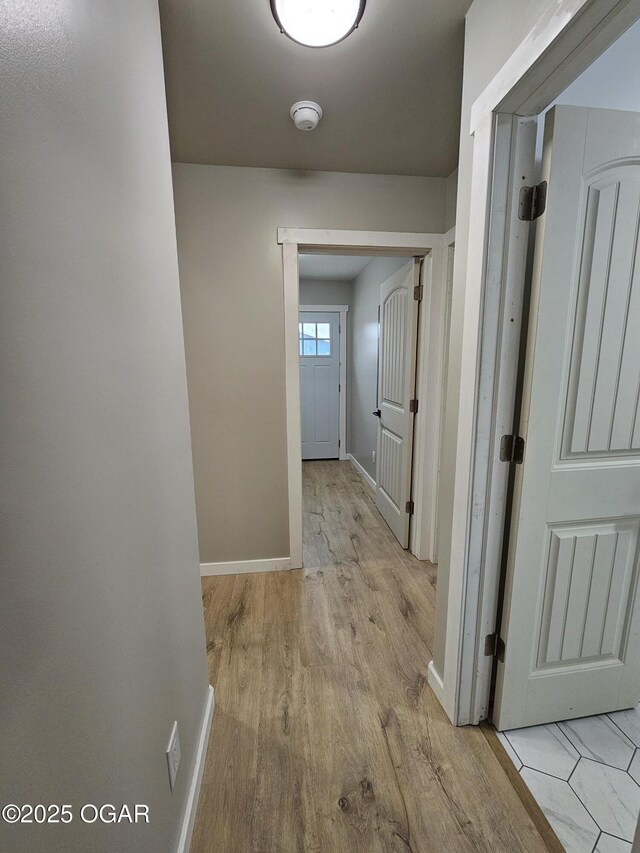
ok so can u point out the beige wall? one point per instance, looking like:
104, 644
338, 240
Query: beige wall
231, 281
320, 292
101, 623
450, 201
494, 29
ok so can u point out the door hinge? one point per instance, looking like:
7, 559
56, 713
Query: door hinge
413, 406
512, 449
418, 292
339, 443
494, 647
408, 507
339, 388
533, 202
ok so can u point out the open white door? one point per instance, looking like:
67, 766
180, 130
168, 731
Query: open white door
399, 302
571, 615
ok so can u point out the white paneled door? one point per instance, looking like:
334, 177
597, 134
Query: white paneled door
396, 386
319, 349
571, 616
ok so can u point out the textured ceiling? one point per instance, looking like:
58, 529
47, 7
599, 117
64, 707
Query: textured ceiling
331, 267
390, 92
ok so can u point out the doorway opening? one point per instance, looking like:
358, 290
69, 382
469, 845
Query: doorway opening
562, 636
502, 123
358, 341
370, 416
326, 297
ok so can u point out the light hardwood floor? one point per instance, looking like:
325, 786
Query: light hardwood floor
326, 737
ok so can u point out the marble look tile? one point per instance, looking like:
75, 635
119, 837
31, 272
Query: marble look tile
544, 748
610, 795
598, 738
609, 844
564, 811
509, 749
634, 767
629, 722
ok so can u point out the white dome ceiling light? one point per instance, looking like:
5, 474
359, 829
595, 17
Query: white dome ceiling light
306, 115
317, 23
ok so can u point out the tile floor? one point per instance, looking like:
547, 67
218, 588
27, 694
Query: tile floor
585, 775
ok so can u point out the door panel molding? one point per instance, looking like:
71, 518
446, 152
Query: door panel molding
589, 571
601, 421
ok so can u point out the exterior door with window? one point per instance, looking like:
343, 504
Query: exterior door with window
319, 349
571, 623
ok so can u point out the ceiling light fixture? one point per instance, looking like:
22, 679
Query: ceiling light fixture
317, 23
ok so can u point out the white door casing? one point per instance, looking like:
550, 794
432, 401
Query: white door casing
571, 618
446, 331
319, 343
310, 239
503, 299
431, 375
396, 387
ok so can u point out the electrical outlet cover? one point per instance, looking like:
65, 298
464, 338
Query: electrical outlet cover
173, 754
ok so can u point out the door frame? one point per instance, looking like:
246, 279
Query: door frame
322, 241
342, 310
431, 379
568, 37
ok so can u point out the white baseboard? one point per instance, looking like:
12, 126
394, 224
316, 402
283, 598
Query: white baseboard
244, 566
368, 478
435, 682
189, 819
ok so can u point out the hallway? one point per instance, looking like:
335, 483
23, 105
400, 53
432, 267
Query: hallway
326, 736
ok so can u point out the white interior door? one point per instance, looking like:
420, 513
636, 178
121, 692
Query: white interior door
571, 622
396, 385
319, 348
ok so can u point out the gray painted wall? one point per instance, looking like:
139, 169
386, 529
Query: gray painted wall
231, 282
450, 201
363, 426
321, 292
101, 624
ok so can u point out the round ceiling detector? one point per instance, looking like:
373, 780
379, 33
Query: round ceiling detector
306, 115
317, 23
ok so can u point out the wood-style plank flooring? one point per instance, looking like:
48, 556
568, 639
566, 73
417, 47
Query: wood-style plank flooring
326, 737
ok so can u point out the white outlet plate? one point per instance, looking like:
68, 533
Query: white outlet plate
373, 456
173, 754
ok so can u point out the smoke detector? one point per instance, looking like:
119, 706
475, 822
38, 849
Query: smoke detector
306, 115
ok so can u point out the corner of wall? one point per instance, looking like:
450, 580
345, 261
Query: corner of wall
451, 194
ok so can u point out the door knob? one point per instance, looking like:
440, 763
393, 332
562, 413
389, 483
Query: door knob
377, 413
